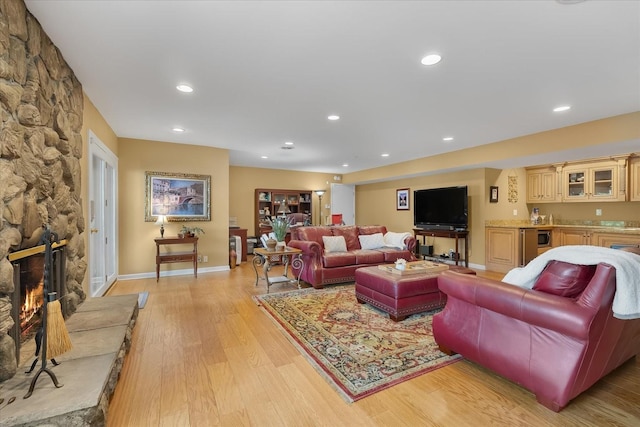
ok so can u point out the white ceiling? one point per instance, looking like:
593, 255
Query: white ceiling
266, 72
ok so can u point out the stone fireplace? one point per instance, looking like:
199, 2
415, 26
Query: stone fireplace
41, 108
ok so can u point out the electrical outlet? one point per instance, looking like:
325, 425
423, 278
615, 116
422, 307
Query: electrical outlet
205, 258
598, 212
515, 212
199, 258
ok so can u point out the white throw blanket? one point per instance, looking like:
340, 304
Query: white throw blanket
626, 302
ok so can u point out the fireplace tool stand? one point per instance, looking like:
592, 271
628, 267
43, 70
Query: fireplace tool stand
48, 262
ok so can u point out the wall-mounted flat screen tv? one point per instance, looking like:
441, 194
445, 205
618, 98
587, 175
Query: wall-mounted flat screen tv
441, 208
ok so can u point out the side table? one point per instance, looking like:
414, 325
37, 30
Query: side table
291, 256
185, 256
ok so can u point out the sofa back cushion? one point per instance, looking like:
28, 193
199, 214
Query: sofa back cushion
350, 234
314, 233
372, 229
564, 279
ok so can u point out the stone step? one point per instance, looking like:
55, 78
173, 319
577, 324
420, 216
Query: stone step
100, 332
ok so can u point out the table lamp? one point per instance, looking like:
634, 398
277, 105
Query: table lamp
160, 221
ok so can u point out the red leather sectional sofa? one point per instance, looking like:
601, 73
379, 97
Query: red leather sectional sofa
322, 268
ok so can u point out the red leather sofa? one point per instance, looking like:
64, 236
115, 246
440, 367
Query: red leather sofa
322, 267
555, 340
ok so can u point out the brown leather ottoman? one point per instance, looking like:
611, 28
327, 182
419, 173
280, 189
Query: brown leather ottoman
398, 295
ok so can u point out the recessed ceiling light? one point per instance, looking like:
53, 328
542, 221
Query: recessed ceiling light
333, 117
432, 59
264, 157
288, 143
447, 138
184, 88
562, 108
345, 165
384, 155
177, 129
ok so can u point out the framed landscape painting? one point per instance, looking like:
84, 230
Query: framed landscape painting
178, 196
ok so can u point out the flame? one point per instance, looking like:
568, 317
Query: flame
33, 301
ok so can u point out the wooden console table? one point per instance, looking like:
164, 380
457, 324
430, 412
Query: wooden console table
169, 257
451, 234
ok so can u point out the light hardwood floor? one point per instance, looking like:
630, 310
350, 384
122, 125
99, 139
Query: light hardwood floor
204, 354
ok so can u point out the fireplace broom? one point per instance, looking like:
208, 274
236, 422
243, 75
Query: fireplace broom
58, 341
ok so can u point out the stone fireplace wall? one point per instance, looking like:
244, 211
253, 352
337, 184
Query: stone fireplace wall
41, 107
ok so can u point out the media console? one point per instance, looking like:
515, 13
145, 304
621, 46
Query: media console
451, 234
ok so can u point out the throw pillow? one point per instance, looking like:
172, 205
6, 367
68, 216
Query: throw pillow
371, 241
395, 240
564, 279
334, 244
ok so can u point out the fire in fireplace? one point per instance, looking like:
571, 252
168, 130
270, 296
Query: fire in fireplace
31, 296
28, 296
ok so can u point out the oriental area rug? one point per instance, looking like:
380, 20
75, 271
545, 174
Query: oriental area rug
355, 347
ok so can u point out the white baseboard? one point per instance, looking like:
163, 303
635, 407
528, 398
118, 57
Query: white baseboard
184, 272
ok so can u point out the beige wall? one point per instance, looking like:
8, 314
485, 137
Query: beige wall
136, 246
92, 121
243, 181
376, 204
233, 189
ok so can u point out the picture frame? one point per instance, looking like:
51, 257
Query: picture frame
493, 194
402, 199
178, 196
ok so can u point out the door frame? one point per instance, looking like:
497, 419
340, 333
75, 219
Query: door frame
98, 149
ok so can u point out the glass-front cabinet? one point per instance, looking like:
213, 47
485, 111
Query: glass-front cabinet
594, 181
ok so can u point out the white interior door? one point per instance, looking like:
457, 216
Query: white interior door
103, 178
343, 201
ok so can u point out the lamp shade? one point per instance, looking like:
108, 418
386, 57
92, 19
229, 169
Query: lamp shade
161, 219
320, 193
283, 209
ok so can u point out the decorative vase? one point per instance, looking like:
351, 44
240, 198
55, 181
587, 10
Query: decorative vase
271, 245
280, 246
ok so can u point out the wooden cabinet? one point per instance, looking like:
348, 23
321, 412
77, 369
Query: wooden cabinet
609, 239
634, 178
268, 202
573, 236
583, 236
603, 180
501, 245
542, 185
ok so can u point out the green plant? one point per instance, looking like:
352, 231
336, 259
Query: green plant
191, 230
280, 226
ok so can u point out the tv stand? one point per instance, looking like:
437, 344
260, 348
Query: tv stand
451, 234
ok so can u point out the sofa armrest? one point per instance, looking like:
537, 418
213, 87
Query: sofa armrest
410, 242
311, 251
536, 308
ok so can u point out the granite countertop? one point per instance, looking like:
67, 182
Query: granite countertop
609, 226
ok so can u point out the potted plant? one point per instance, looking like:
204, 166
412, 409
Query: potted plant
187, 231
280, 227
